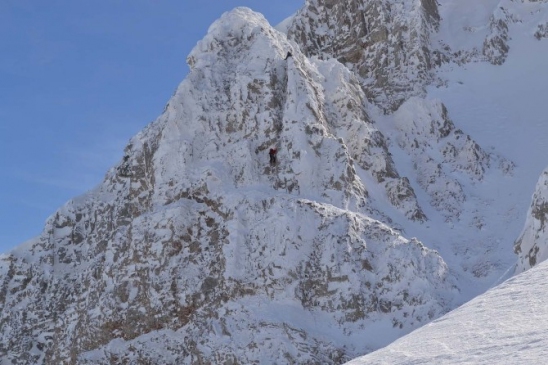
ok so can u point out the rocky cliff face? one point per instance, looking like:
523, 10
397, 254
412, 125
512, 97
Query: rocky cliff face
195, 249
531, 246
438, 150
386, 43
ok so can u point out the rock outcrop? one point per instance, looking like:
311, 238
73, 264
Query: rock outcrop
440, 152
386, 43
532, 245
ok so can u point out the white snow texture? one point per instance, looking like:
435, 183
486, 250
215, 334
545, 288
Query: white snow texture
409, 138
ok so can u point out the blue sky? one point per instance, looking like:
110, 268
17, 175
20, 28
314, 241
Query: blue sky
77, 80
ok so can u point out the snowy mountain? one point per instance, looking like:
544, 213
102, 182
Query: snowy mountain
532, 246
390, 203
493, 328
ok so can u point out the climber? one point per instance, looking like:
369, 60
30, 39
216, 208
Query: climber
272, 155
288, 55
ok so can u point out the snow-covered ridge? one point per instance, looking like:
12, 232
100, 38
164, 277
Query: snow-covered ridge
532, 245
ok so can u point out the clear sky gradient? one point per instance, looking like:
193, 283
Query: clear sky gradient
77, 80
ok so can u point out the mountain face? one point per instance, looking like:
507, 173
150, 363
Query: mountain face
195, 249
531, 247
384, 42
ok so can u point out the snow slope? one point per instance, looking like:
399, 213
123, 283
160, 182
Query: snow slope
506, 325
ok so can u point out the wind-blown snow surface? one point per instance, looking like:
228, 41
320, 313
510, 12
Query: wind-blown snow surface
506, 325
195, 250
